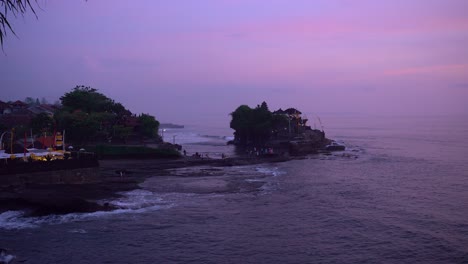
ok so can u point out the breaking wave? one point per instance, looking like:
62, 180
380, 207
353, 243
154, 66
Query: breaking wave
136, 201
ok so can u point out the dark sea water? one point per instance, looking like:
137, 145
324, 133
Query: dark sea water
398, 194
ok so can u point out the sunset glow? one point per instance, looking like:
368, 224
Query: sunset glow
179, 59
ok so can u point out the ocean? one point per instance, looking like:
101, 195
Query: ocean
398, 194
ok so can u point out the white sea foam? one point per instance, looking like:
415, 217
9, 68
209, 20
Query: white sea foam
254, 180
190, 137
133, 202
78, 231
9, 220
269, 171
136, 199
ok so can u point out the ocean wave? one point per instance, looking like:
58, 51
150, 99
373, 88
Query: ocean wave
132, 202
208, 143
270, 171
19, 220
189, 137
10, 220
225, 138
136, 199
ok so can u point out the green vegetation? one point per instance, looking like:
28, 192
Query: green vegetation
149, 125
89, 119
255, 126
89, 116
258, 126
86, 115
43, 123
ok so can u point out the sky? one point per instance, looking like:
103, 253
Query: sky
187, 61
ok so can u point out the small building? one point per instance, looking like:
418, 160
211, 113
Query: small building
18, 105
38, 109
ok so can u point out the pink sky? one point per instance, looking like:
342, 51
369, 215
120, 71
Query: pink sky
184, 61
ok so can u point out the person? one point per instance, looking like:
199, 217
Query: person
223, 156
185, 153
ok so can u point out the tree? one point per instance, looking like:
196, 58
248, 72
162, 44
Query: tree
122, 132
241, 123
252, 126
29, 101
42, 123
87, 115
15, 8
86, 99
148, 125
262, 127
80, 127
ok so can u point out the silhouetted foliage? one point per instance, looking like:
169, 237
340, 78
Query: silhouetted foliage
148, 125
88, 115
252, 126
42, 122
121, 132
15, 8
258, 125
87, 99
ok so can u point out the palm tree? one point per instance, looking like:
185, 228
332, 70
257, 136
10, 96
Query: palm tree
15, 8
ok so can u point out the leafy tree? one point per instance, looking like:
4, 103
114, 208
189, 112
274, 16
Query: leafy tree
148, 125
262, 127
122, 132
89, 113
42, 123
88, 116
86, 99
279, 124
29, 101
252, 126
241, 123
80, 127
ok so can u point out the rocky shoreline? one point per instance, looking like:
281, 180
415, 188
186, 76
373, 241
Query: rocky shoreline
116, 176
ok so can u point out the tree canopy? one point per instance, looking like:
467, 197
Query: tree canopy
252, 126
149, 125
88, 115
43, 123
256, 126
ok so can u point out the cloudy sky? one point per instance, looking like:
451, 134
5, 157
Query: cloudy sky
188, 60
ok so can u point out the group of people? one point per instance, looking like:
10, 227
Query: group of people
259, 151
201, 156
